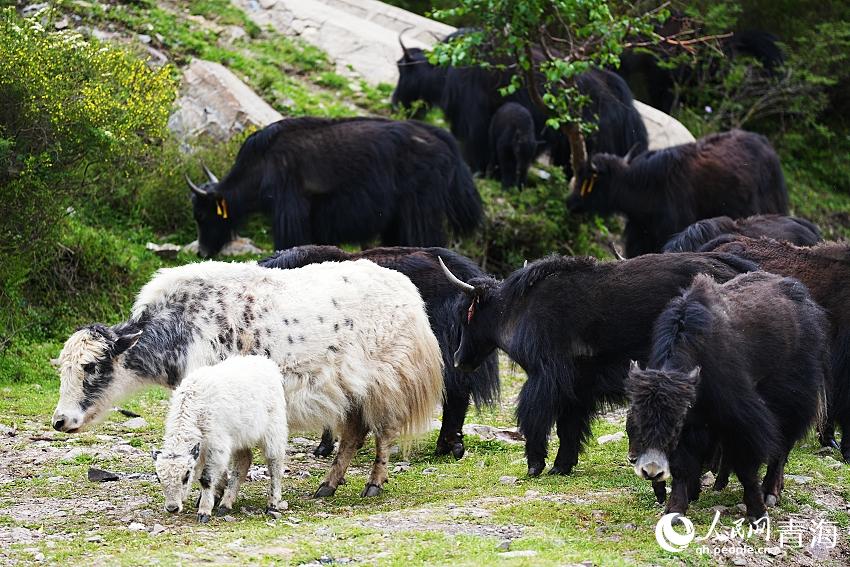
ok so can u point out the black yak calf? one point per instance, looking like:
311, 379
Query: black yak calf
441, 302
742, 364
735, 173
513, 144
573, 324
788, 229
348, 180
825, 270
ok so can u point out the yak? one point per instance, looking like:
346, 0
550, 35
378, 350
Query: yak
351, 339
742, 364
470, 96
513, 144
825, 270
346, 180
573, 324
441, 300
735, 173
789, 229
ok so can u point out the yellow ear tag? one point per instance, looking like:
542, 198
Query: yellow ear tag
591, 184
583, 187
221, 208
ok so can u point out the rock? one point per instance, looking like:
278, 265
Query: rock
229, 518
7, 431
532, 493
62, 23
274, 514
137, 527
504, 545
518, 553
94, 539
236, 247
486, 432
301, 441
832, 463
216, 103
739, 561
798, 478
168, 251
135, 423
30, 10
98, 475
76, 452
232, 34
611, 438
401, 466
144, 38
157, 529
507, 479
429, 470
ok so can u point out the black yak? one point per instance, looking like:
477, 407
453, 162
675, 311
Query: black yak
470, 96
441, 302
735, 173
825, 270
789, 229
742, 364
573, 324
513, 144
350, 180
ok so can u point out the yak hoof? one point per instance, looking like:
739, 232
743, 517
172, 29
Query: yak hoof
771, 500
203, 518
720, 483
223, 511
325, 489
323, 450
371, 490
562, 470
458, 450
534, 469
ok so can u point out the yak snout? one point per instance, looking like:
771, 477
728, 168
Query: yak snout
66, 423
172, 508
652, 465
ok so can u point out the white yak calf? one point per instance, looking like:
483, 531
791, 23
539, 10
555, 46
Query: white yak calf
217, 415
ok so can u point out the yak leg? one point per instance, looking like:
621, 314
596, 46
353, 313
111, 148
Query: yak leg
753, 497
844, 422
379, 468
573, 430
239, 466
659, 488
723, 472
535, 417
351, 438
774, 480
451, 431
326, 445
216, 464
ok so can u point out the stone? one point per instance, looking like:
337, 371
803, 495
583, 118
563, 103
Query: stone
62, 23
7, 431
504, 545
739, 561
229, 518
518, 553
214, 102
32, 9
168, 251
237, 247
618, 436
135, 423
799, 479
137, 527
508, 479
275, 514
429, 470
144, 38
157, 529
401, 466
98, 475
532, 493
300, 441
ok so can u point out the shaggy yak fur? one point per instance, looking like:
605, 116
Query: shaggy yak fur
573, 324
218, 414
352, 341
825, 270
441, 302
513, 144
661, 192
345, 180
789, 229
741, 364
469, 97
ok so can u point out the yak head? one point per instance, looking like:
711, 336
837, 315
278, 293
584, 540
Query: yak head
595, 183
418, 80
479, 320
659, 401
176, 473
91, 376
215, 225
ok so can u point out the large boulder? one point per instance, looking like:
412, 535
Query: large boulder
216, 103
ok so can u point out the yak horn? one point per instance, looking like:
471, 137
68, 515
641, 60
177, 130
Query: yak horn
616, 251
401, 43
454, 279
195, 189
209, 173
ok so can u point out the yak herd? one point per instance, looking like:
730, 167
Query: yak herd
726, 329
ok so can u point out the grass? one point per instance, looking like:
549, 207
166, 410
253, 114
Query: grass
438, 512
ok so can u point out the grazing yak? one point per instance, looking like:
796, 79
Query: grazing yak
217, 415
470, 96
513, 144
352, 341
741, 364
825, 270
441, 302
346, 180
789, 229
661, 192
573, 324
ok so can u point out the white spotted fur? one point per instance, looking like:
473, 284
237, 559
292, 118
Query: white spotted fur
225, 410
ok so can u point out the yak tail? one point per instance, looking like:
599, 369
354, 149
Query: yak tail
463, 203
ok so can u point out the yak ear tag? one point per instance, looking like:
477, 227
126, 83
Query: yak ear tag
471, 311
221, 208
592, 183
